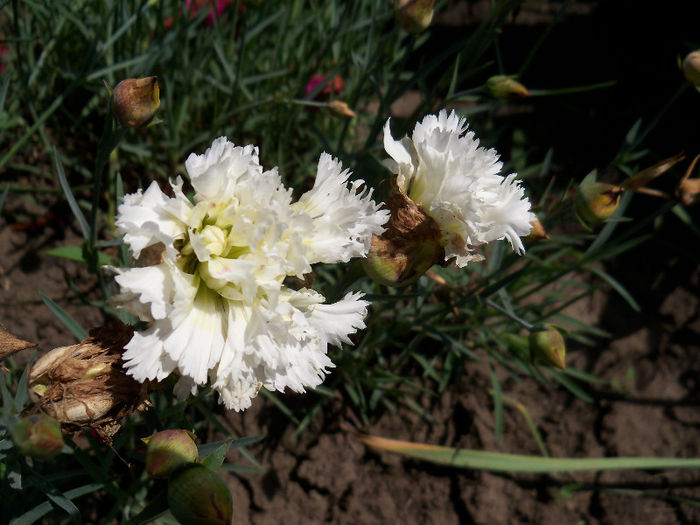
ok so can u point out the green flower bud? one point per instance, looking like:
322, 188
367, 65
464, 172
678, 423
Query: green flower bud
503, 86
197, 496
168, 450
596, 201
38, 436
414, 16
135, 101
691, 67
548, 346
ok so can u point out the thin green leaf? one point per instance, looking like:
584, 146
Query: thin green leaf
70, 323
617, 286
214, 459
279, 404
497, 405
155, 508
77, 213
571, 386
76, 253
3, 197
22, 394
511, 463
44, 508
3, 93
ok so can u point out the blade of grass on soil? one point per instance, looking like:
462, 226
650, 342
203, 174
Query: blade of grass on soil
502, 462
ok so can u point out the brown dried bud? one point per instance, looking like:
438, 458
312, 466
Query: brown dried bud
688, 190
340, 109
504, 86
135, 101
537, 233
85, 384
409, 246
38, 436
414, 16
169, 449
197, 496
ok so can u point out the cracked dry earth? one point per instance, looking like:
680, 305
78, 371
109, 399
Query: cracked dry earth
327, 476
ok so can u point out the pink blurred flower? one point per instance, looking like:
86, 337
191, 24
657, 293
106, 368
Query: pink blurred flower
336, 85
216, 9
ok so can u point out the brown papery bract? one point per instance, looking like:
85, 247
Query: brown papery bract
84, 385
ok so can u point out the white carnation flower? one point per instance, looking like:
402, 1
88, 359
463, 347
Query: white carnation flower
442, 168
216, 299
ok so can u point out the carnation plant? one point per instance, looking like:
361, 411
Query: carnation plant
260, 228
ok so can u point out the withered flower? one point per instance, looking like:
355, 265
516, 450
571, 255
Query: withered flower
84, 385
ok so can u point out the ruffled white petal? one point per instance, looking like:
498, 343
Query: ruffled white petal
342, 219
147, 218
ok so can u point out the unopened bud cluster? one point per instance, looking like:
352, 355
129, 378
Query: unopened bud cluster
196, 494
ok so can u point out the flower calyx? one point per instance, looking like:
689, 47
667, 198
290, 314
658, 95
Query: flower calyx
409, 246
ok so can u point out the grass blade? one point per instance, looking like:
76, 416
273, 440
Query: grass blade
502, 462
44, 508
3, 197
82, 222
70, 323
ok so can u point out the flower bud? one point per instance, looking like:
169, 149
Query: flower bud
38, 436
135, 101
414, 16
409, 246
503, 86
168, 450
340, 109
691, 67
547, 345
537, 233
596, 201
197, 496
688, 190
